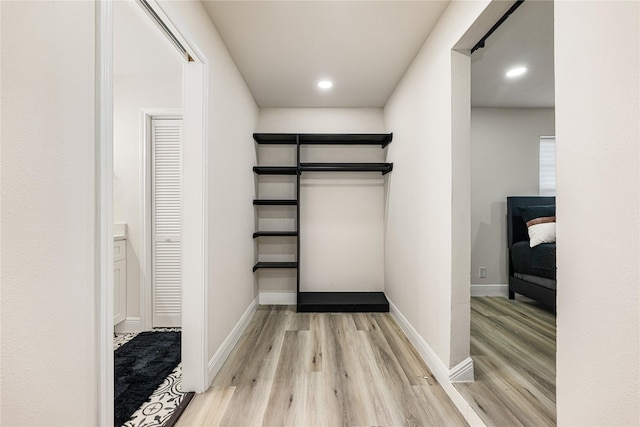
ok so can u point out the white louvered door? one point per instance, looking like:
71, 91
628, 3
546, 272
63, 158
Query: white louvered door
166, 138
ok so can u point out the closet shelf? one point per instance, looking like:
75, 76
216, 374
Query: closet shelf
275, 265
274, 233
382, 139
344, 302
275, 170
318, 301
385, 168
275, 138
275, 202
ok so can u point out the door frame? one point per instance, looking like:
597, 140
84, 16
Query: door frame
195, 238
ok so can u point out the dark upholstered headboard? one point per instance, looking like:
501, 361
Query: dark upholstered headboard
516, 228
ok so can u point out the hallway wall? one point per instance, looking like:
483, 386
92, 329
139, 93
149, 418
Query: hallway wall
423, 229
232, 116
597, 57
48, 356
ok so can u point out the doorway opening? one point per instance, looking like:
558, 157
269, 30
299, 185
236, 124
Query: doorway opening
193, 95
147, 165
512, 106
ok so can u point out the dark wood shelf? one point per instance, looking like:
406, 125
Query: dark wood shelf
274, 233
275, 202
320, 301
385, 168
343, 302
275, 138
275, 170
275, 265
382, 139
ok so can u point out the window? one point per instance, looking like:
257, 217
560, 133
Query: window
547, 171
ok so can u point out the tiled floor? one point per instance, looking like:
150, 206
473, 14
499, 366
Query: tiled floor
164, 400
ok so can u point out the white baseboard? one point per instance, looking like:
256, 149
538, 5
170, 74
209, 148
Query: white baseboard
462, 372
489, 290
277, 298
443, 374
215, 363
130, 324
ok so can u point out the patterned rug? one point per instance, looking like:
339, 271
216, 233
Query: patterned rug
164, 401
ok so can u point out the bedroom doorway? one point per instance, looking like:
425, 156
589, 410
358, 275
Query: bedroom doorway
512, 106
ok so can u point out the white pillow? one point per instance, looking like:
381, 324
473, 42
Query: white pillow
542, 233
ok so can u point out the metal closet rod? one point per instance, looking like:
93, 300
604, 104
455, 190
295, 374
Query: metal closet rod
497, 24
166, 30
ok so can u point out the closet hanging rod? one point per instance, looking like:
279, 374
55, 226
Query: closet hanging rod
172, 38
504, 17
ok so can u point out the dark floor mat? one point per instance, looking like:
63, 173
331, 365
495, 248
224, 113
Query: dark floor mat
140, 367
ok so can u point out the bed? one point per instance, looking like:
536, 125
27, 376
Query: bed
532, 270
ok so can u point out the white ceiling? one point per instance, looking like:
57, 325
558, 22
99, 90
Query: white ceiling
283, 48
524, 39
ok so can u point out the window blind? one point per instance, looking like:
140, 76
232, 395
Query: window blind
547, 171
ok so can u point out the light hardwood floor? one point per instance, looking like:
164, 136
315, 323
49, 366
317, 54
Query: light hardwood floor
513, 347
321, 369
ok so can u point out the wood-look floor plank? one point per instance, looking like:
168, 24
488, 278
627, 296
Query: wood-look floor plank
501, 343
233, 368
288, 395
321, 407
513, 348
412, 364
352, 395
411, 405
540, 321
530, 375
318, 340
325, 404
528, 404
437, 413
254, 380
207, 409
323, 369
381, 391
487, 405
300, 322
365, 322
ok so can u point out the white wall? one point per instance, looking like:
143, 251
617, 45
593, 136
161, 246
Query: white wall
231, 119
598, 206
504, 162
48, 357
341, 214
421, 278
320, 120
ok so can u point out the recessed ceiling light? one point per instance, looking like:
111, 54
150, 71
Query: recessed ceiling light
325, 84
515, 72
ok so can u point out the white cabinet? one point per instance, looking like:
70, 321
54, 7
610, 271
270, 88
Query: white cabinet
119, 281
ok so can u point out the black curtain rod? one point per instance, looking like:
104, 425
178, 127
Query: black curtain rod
497, 24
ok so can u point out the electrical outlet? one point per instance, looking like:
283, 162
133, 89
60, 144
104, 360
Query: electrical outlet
482, 272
